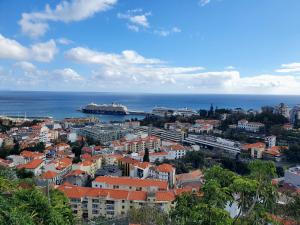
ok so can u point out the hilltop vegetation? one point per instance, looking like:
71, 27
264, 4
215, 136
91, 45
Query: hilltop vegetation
22, 203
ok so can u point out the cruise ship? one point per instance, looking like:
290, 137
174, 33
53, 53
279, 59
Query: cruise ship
107, 109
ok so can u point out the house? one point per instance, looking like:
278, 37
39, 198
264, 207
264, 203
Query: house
140, 170
164, 172
77, 178
48, 178
250, 126
35, 166
193, 179
256, 149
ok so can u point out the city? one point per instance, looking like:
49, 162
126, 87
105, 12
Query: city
108, 169
138, 112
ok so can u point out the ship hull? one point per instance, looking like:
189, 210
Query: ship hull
103, 112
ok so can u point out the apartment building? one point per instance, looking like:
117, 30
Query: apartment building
130, 183
88, 203
250, 126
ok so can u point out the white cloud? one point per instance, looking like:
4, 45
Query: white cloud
139, 73
165, 33
289, 68
11, 49
85, 55
136, 18
229, 68
25, 66
68, 74
44, 52
64, 41
204, 2
36, 24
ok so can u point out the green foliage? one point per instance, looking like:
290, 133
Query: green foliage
23, 174
146, 156
30, 206
147, 215
293, 153
254, 194
39, 147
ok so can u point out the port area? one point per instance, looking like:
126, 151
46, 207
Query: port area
141, 113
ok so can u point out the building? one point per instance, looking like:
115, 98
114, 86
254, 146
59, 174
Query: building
140, 144
88, 203
165, 172
295, 114
270, 141
282, 109
130, 183
140, 170
193, 179
175, 151
77, 178
104, 132
256, 149
35, 166
250, 126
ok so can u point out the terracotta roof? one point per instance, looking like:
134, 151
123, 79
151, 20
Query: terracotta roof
129, 181
276, 150
86, 163
143, 165
86, 156
128, 160
254, 145
72, 191
163, 196
189, 176
157, 153
48, 175
31, 155
63, 163
166, 168
76, 173
32, 164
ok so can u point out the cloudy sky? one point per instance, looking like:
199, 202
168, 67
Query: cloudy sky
156, 46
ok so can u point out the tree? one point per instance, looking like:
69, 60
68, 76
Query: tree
293, 153
30, 206
146, 156
254, 195
23, 174
147, 215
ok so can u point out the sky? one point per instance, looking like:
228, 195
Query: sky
151, 46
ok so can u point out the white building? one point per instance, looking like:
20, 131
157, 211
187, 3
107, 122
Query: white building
270, 141
250, 126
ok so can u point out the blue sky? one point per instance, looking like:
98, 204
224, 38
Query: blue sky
169, 46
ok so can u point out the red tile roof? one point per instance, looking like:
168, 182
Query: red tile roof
163, 196
166, 168
254, 145
32, 164
135, 182
48, 175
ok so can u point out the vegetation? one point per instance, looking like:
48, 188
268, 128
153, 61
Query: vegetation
146, 156
21, 203
147, 215
253, 194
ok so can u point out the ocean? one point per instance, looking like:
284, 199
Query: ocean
60, 105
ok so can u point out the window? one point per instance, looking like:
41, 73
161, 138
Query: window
95, 212
95, 206
95, 200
